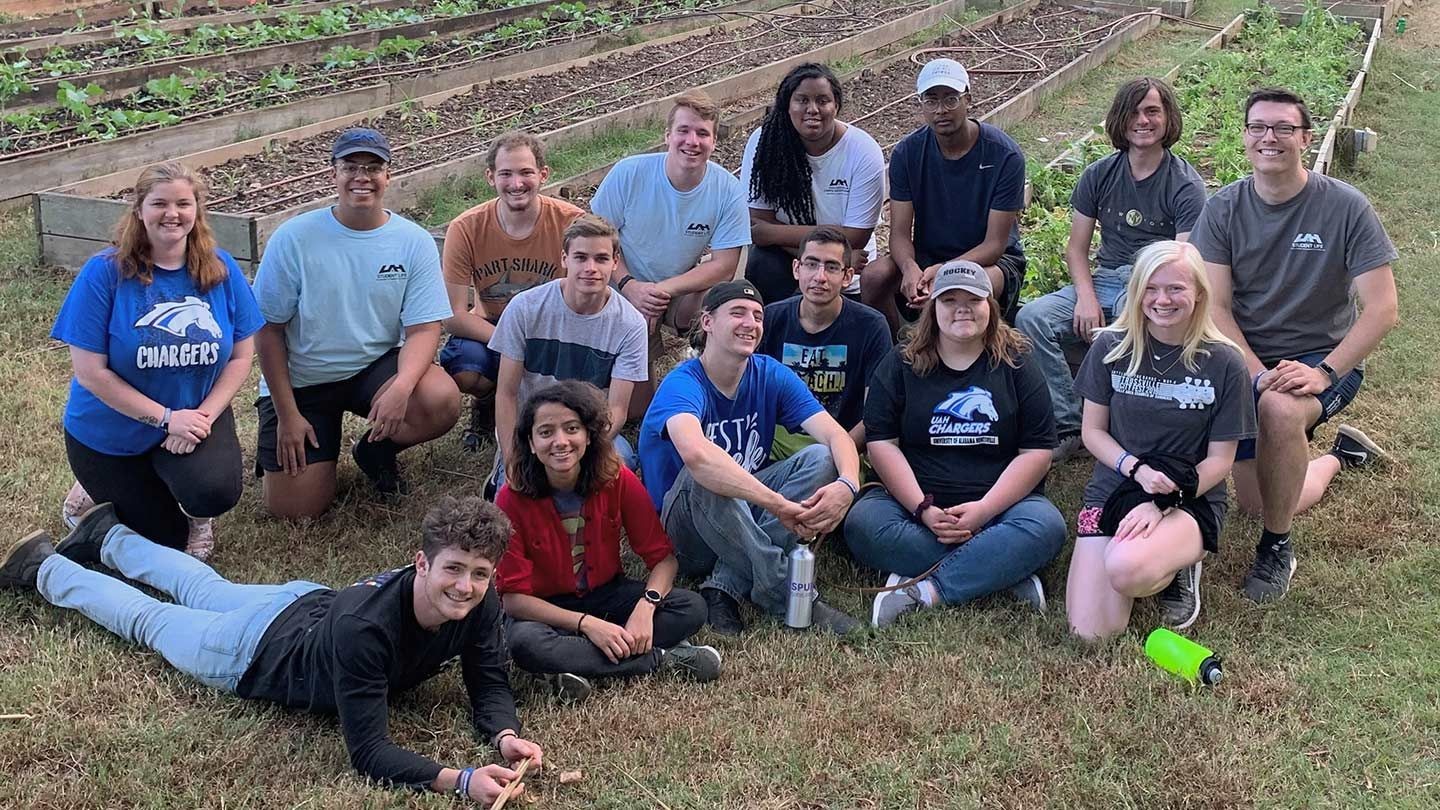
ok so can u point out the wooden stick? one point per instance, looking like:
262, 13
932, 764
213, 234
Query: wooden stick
513, 786
15, 716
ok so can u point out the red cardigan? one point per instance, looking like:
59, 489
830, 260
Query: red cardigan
538, 561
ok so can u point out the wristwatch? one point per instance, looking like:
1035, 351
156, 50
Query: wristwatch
1329, 372
653, 596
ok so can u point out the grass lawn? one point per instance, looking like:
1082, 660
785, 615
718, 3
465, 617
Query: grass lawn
1329, 698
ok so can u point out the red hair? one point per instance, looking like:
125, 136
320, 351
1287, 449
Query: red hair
132, 243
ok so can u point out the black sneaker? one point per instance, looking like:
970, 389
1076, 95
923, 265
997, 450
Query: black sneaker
724, 612
379, 466
82, 544
699, 663
20, 567
1354, 448
569, 687
482, 423
1180, 601
824, 617
1269, 577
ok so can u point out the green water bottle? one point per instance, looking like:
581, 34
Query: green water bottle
1400, 26
1177, 654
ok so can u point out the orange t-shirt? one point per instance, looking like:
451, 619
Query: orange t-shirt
478, 253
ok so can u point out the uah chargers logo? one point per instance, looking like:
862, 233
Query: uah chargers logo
176, 317
965, 417
965, 404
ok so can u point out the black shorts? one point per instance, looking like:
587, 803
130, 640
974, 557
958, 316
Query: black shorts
1012, 267
324, 406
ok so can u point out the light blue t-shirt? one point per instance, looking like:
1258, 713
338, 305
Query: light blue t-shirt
664, 232
347, 296
167, 339
744, 427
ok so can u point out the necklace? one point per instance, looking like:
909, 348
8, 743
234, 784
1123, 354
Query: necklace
1157, 358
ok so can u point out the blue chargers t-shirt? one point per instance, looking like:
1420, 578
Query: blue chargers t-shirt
953, 198
744, 427
167, 339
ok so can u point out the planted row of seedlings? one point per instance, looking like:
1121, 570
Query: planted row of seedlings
77, 29
1319, 58
197, 94
37, 18
628, 88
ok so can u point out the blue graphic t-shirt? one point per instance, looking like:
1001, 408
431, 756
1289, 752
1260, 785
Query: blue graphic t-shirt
166, 339
959, 429
769, 394
836, 362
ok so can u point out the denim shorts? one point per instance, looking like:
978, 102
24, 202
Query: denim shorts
460, 355
1332, 401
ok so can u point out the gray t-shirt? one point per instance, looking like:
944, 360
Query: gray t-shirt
1293, 265
1135, 214
556, 343
1166, 407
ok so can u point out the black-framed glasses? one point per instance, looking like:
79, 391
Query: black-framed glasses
1255, 129
946, 103
349, 169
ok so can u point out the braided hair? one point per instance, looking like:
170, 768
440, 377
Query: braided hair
780, 174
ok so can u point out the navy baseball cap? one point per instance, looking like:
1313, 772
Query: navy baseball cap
360, 139
729, 291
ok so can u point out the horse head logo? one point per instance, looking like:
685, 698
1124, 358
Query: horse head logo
969, 402
176, 317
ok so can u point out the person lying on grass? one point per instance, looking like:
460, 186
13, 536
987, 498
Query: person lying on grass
1166, 405
305, 646
572, 613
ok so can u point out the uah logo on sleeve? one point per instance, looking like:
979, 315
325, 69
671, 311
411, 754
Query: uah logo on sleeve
965, 417
187, 320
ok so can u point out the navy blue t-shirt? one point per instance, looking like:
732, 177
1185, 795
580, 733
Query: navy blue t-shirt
167, 339
953, 198
836, 362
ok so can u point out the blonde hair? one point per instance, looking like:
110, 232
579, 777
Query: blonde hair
132, 243
921, 348
697, 101
1130, 324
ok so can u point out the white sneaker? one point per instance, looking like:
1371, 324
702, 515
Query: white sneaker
890, 582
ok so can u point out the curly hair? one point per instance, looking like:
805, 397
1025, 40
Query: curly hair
516, 139
780, 174
600, 465
1003, 342
132, 243
471, 524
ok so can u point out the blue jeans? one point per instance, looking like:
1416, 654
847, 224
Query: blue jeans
1016, 544
460, 355
1049, 323
743, 549
211, 635
1332, 401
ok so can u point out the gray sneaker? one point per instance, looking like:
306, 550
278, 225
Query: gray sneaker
891, 606
890, 582
1030, 591
824, 617
1180, 601
569, 687
1269, 577
1067, 449
700, 663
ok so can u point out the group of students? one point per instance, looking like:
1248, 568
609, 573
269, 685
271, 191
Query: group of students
1222, 332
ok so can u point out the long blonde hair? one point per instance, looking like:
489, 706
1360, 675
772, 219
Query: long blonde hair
921, 349
132, 243
1130, 324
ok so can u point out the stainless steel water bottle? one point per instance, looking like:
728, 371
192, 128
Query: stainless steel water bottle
802, 586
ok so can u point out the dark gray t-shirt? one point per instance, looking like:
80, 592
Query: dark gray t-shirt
1292, 265
1135, 214
1166, 407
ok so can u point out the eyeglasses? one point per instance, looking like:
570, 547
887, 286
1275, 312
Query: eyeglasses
946, 103
833, 268
1256, 129
349, 169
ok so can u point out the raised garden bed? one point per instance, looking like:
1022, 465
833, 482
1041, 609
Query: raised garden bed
58, 157
54, 16
728, 54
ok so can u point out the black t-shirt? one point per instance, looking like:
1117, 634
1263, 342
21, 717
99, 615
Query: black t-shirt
836, 362
960, 429
346, 652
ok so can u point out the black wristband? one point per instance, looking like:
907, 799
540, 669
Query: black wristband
626, 280
1329, 372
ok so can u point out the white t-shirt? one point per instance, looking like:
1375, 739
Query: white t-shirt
847, 183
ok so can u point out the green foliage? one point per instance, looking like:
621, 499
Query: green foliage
12, 80
172, 89
400, 46
76, 100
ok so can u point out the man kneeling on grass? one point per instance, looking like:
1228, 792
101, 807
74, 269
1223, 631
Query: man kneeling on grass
306, 646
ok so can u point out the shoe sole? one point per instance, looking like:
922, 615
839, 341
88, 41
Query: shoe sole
1358, 436
1267, 599
890, 582
1195, 589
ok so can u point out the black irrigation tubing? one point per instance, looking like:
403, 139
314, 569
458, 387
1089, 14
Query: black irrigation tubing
334, 79
855, 22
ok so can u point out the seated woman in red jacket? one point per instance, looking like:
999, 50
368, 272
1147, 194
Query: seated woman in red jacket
573, 614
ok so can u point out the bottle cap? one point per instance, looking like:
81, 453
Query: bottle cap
1211, 672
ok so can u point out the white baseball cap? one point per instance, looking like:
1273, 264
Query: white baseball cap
942, 73
961, 274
